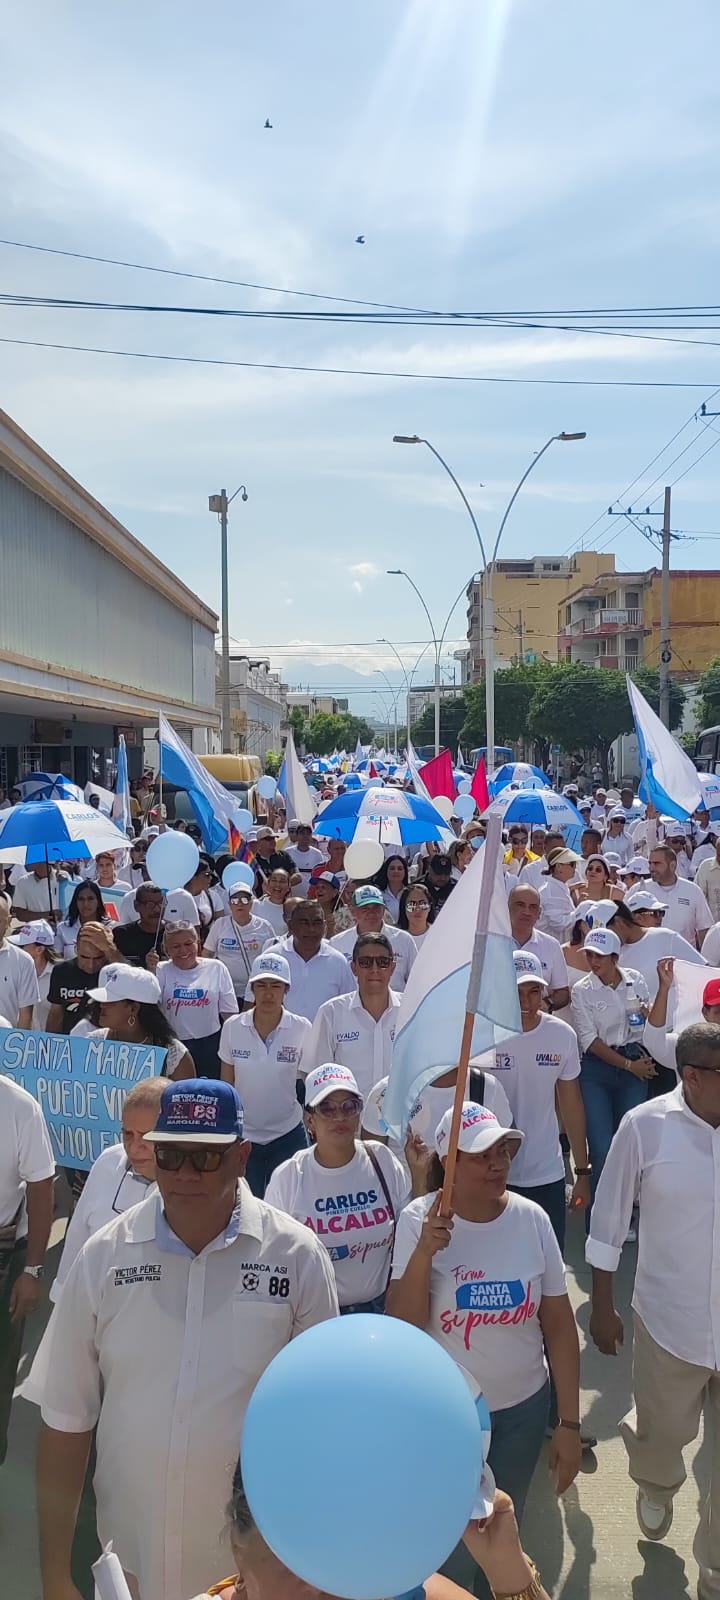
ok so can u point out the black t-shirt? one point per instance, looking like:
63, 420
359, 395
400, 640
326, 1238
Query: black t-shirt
278, 859
68, 986
134, 944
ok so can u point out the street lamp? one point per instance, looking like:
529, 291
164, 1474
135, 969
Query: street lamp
395, 697
219, 503
398, 572
408, 680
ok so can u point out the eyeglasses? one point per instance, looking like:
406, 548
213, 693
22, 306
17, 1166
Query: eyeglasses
345, 1108
695, 1068
383, 962
171, 1157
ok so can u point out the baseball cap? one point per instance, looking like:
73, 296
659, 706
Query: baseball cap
528, 968
127, 983
198, 1111
674, 830
602, 913
265, 833
584, 805
614, 797
570, 788
328, 1079
603, 941
327, 877
241, 891
643, 900
612, 859
583, 911
180, 907
479, 1130
38, 932
368, 895
617, 815
270, 966
711, 993
638, 866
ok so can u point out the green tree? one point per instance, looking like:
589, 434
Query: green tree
648, 682
708, 704
581, 708
328, 731
296, 720
515, 688
452, 718
273, 762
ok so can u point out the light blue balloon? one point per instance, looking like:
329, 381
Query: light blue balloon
464, 807
464, 785
238, 872
389, 1393
172, 860
242, 820
266, 787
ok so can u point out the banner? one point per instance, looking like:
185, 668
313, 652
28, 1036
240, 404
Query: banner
80, 1085
112, 898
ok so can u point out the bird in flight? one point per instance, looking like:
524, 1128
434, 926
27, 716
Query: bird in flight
268, 123
360, 239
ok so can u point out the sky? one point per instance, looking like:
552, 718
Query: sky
516, 156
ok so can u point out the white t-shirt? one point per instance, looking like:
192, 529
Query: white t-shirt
33, 894
549, 953
347, 1209
305, 861
556, 909
528, 1067
265, 1072
312, 982
194, 1000
41, 1008
485, 1292
344, 1031
18, 981
404, 949
656, 943
111, 1188
271, 913
431, 1105
237, 947
711, 946
25, 1150
620, 845
66, 939
688, 912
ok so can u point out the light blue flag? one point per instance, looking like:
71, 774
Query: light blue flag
465, 964
121, 813
669, 779
212, 805
299, 803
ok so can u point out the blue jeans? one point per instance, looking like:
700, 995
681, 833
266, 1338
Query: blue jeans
608, 1092
518, 1433
551, 1199
374, 1307
264, 1158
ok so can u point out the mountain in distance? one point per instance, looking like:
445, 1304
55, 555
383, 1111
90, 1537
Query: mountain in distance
364, 691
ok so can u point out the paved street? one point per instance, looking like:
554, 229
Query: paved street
589, 1547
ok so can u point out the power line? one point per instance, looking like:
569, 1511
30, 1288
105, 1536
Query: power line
358, 372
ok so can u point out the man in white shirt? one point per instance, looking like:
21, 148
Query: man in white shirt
524, 907
317, 971
687, 909
369, 913
35, 892
304, 857
19, 990
665, 1157
707, 878
617, 840
358, 1029
209, 1283
534, 872
631, 805
676, 837
598, 814
27, 1171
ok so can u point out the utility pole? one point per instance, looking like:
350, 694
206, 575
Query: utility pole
665, 646
219, 503
521, 653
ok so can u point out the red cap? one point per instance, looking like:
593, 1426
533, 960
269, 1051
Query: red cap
711, 993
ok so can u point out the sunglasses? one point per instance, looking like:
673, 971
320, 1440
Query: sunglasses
383, 962
417, 905
695, 1068
171, 1157
347, 1108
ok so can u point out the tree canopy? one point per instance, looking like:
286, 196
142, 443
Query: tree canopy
648, 682
708, 705
328, 731
452, 718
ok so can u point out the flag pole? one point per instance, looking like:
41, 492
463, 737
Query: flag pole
493, 839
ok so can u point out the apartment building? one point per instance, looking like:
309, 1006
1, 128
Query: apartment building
614, 621
527, 594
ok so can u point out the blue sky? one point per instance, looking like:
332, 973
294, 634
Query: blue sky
497, 154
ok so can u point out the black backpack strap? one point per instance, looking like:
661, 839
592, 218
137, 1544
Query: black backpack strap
477, 1086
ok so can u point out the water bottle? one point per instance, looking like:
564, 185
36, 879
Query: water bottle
633, 1015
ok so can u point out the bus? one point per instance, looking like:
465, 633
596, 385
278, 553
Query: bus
503, 754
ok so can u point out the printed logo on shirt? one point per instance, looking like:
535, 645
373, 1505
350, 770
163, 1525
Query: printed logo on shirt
481, 1302
548, 1058
342, 1212
288, 1053
146, 1272
260, 1277
240, 1055
503, 1061
190, 997
250, 1281
347, 1038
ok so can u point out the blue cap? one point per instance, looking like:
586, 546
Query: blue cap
198, 1111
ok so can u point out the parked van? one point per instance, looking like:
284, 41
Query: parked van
237, 773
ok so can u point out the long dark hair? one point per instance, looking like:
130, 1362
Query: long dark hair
73, 913
402, 920
381, 876
156, 1024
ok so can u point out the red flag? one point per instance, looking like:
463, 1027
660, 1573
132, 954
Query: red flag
478, 788
372, 770
437, 776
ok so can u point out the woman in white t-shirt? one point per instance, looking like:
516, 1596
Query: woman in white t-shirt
261, 1054
488, 1284
197, 996
349, 1191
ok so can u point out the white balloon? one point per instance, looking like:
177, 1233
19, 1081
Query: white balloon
464, 786
464, 807
444, 806
363, 859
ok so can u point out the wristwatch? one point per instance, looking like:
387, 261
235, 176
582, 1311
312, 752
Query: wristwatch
583, 1172
35, 1272
532, 1592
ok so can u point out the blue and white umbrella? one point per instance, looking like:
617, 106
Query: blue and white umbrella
537, 807
516, 772
49, 786
56, 830
387, 816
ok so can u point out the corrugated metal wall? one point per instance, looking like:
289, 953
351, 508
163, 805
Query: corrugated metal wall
64, 599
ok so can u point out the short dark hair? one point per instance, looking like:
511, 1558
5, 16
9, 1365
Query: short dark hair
555, 833
696, 1043
374, 939
594, 831
144, 889
305, 905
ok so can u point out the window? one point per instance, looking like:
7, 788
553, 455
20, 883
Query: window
568, 614
632, 599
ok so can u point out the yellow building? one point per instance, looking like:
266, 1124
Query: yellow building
527, 595
615, 621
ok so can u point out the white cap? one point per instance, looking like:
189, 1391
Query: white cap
127, 983
638, 866
327, 1080
38, 932
643, 900
180, 906
612, 859
479, 1130
617, 815
528, 969
270, 966
603, 941
602, 913
583, 910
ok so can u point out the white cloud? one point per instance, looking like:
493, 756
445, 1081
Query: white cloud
365, 569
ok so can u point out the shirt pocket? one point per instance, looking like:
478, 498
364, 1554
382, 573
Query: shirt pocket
260, 1328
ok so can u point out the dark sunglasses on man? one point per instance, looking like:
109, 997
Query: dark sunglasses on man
207, 1158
